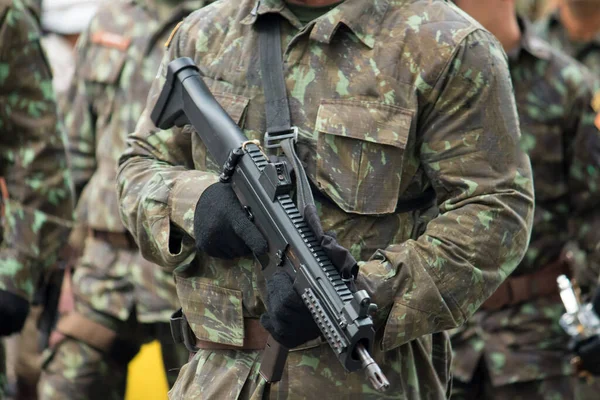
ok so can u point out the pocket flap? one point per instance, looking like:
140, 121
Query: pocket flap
214, 313
369, 121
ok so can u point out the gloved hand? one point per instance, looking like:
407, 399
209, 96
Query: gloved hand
288, 320
589, 352
13, 312
222, 227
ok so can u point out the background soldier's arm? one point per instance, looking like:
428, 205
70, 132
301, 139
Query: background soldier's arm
80, 119
32, 155
583, 166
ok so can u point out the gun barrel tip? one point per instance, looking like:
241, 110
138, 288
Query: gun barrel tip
377, 378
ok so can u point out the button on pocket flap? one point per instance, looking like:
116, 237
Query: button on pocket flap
233, 104
369, 121
106, 64
214, 313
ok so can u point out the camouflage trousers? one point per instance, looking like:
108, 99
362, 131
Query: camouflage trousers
116, 288
76, 371
563, 387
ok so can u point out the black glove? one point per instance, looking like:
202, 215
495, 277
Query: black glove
288, 320
222, 227
13, 312
589, 352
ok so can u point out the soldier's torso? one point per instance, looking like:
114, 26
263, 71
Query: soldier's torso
126, 44
358, 95
547, 88
523, 343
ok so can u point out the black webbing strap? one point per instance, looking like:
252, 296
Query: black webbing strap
279, 126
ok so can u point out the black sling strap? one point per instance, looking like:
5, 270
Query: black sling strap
279, 126
281, 133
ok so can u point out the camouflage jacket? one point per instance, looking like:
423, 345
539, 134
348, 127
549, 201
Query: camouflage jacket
390, 99
117, 60
534, 9
525, 342
552, 30
39, 209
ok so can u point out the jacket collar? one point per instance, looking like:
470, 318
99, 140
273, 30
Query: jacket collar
362, 17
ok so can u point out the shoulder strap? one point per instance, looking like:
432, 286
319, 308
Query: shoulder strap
281, 133
277, 108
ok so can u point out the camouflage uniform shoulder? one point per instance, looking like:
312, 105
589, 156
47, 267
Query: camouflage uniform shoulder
212, 22
109, 39
437, 19
432, 32
571, 72
118, 17
20, 27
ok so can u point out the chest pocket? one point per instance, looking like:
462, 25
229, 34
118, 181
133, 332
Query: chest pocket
360, 153
235, 106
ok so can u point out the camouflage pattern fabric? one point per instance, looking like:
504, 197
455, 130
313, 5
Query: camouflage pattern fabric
525, 343
75, 365
390, 98
117, 59
551, 29
557, 387
535, 9
38, 212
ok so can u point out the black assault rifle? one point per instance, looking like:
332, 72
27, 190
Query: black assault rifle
263, 188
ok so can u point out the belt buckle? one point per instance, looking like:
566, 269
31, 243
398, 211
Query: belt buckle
272, 141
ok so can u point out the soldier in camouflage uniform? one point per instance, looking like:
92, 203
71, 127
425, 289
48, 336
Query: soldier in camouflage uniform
391, 99
575, 29
37, 197
121, 300
514, 347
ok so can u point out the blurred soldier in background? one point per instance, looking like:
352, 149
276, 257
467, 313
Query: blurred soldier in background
120, 300
575, 29
36, 186
535, 9
62, 21
514, 346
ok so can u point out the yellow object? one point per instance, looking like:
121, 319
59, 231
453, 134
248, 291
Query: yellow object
146, 378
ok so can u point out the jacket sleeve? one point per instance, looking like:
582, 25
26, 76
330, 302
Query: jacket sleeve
157, 184
469, 149
583, 166
39, 207
80, 119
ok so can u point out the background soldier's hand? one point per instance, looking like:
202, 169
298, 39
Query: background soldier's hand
588, 352
288, 320
13, 312
222, 227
